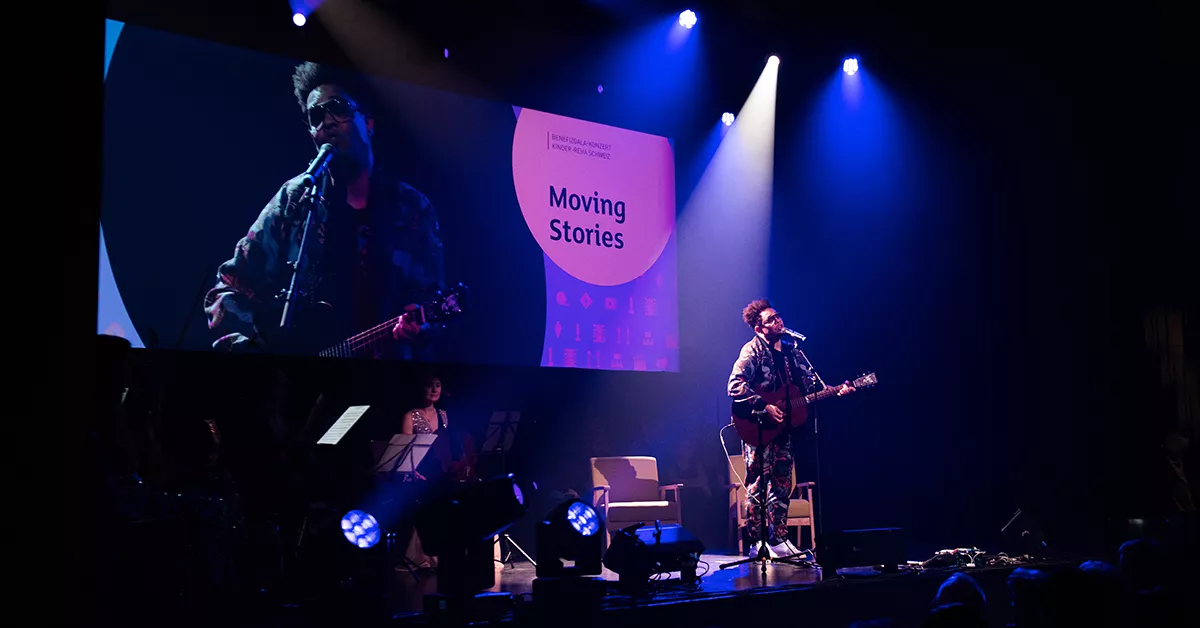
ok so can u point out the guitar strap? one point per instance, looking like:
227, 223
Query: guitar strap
787, 371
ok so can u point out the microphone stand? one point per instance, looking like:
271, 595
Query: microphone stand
315, 195
812, 411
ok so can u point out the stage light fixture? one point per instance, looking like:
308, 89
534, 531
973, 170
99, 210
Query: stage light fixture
360, 528
299, 19
727, 118
599, 89
850, 66
687, 19
572, 531
460, 528
773, 60
638, 552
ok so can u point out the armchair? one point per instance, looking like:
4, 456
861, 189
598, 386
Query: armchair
627, 491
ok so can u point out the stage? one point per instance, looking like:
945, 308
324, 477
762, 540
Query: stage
723, 597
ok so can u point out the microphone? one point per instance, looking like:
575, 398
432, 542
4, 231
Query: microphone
795, 334
319, 164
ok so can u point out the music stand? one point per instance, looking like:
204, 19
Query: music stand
402, 454
501, 432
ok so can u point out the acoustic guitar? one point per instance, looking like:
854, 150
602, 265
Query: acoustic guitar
748, 429
459, 463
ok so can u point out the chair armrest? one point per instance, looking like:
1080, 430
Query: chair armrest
600, 496
808, 488
662, 490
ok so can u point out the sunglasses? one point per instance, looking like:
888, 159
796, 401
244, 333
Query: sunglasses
770, 319
341, 110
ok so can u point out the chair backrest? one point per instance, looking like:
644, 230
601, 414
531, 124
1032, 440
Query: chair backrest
738, 464
631, 478
737, 471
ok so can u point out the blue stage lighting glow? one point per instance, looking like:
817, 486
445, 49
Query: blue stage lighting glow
727, 118
520, 496
583, 518
298, 19
850, 66
687, 19
360, 528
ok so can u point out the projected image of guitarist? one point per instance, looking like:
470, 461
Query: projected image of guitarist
374, 255
770, 384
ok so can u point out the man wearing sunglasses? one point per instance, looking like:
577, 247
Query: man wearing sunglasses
769, 362
374, 252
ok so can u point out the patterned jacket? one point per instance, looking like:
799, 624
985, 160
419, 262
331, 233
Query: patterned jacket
754, 372
405, 244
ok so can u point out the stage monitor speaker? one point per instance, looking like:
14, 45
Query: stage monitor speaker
635, 554
883, 548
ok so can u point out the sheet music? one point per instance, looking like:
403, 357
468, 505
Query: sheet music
339, 428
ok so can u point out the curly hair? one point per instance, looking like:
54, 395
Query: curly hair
753, 310
309, 76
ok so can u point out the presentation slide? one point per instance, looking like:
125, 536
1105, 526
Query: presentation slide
253, 203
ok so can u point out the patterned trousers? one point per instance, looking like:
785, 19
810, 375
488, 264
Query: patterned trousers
768, 488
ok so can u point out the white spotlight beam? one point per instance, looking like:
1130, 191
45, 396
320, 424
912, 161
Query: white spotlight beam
725, 227
378, 45
736, 187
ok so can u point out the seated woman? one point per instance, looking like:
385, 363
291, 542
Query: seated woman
453, 455
427, 418
424, 419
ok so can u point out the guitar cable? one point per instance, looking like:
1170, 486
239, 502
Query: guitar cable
741, 480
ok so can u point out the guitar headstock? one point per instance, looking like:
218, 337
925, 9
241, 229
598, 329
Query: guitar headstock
446, 305
866, 381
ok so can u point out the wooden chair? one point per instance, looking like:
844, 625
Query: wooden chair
627, 491
800, 508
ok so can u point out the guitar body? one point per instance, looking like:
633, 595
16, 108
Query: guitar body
795, 416
464, 468
748, 429
313, 328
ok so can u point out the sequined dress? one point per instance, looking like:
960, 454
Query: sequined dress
420, 425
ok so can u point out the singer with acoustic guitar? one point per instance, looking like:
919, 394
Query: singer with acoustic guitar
374, 251
769, 384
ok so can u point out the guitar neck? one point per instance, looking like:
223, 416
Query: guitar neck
365, 342
803, 400
821, 394
370, 342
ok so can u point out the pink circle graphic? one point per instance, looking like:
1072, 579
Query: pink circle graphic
599, 200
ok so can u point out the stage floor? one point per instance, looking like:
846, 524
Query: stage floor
722, 597
517, 578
